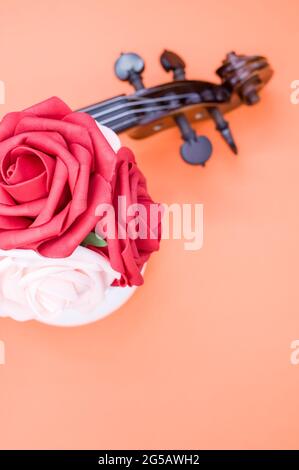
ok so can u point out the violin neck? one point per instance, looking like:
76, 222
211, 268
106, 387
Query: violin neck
114, 113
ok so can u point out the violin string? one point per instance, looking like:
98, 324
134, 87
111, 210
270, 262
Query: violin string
133, 113
136, 103
167, 97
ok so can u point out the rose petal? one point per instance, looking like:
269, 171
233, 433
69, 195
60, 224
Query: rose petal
8, 125
99, 192
9, 144
105, 160
29, 209
46, 144
72, 133
80, 195
22, 167
35, 188
13, 223
33, 236
5, 198
32, 286
52, 107
55, 197
29, 163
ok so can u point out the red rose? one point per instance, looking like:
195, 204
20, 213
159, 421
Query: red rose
55, 168
128, 255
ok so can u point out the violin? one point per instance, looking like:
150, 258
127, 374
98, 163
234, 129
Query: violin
180, 102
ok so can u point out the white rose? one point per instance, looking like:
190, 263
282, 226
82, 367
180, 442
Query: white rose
35, 287
110, 135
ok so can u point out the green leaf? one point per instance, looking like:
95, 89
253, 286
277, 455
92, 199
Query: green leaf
94, 240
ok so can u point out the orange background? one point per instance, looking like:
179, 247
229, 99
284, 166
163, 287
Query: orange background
200, 356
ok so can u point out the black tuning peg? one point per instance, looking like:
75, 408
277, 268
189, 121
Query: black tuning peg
129, 67
222, 126
171, 62
195, 150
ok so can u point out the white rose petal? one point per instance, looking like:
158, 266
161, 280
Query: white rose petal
110, 135
36, 287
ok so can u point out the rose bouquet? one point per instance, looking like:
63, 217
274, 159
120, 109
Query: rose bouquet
65, 239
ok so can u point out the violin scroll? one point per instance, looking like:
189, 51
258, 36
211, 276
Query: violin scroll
245, 75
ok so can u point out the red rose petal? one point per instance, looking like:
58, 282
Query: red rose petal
99, 192
43, 142
80, 195
8, 125
29, 209
13, 223
72, 133
105, 157
32, 236
52, 107
60, 179
29, 163
35, 188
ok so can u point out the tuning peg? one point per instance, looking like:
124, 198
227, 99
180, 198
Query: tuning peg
195, 150
129, 67
171, 62
223, 127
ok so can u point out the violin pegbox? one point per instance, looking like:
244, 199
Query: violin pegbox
181, 101
242, 77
